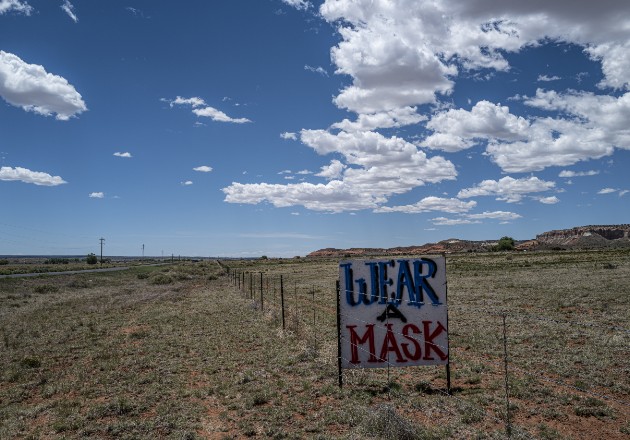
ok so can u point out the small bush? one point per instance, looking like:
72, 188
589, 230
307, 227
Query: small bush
29, 362
161, 279
46, 288
143, 276
91, 259
4, 262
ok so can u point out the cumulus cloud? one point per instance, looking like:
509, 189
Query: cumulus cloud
21, 7
457, 129
549, 200
393, 118
405, 52
517, 144
289, 135
318, 69
203, 169
332, 171
443, 221
569, 174
507, 188
607, 191
187, 183
125, 155
545, 78
452, 206
33, 89
96, 195
467, 219
27, 176
68, 8
375, 168
298, 4
201, 109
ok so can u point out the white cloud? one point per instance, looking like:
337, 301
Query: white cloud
452, 206
194, 102
187, 183
218, 115
545, 78
18, 6
68, 8
30, 87
568, 173
507, 188
607, 191
335, 196
318, 69
443, 221
201, 109
393, 118
456, 129
203, 169
332, 171
97, 195
415, 46
623, 193
126, 155
303, 172
518, 145
27, 176
376, 167
495, 215
466, 219
288, 135
298, 4
549, 200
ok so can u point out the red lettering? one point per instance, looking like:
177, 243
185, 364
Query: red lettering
390, 344
418, 351
428, 341
355, 341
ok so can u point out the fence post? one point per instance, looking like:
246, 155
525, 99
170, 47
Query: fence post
262, 308
508, 425
251, 285
339, 337
282, 301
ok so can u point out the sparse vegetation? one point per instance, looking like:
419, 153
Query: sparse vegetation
113, 355
91, 259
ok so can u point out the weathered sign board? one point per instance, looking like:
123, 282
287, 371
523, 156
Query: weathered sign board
393, 312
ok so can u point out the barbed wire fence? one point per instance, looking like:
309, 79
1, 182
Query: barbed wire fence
298, 304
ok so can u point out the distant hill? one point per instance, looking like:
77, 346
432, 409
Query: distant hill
582, 237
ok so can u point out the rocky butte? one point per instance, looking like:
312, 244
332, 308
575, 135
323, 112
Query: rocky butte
581, 237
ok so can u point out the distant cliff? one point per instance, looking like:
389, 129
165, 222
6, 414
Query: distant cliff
585, 237
582, 237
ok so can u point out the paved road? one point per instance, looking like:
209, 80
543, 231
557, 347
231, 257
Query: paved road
70, 272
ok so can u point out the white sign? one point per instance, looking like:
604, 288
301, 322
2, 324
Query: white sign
393, 312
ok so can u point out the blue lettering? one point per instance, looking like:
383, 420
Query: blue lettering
347, 271
405, 280
421, 282
383, 281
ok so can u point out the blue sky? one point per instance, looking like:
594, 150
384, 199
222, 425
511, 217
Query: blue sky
279, 127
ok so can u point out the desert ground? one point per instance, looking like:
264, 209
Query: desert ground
189, 350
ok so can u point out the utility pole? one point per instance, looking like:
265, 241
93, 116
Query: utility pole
143, 251
102, 240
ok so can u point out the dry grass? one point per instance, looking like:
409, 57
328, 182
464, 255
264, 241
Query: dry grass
121, 355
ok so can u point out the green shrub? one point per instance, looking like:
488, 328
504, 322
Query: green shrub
91, 259
143, 276
161, 279
4, 262
46, 288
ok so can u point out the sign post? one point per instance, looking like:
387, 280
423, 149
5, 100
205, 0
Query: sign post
393, 313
